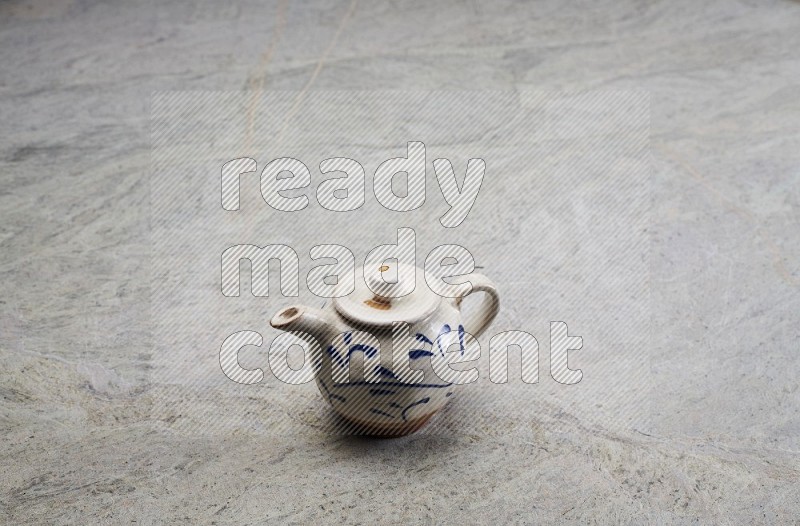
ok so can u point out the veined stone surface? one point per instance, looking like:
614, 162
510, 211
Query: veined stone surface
80, 443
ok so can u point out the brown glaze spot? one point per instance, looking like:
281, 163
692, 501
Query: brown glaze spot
386, 430
378, 304
384, 268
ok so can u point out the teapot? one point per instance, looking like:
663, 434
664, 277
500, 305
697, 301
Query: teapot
396, 397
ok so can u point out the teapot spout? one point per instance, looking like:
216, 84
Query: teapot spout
314, 322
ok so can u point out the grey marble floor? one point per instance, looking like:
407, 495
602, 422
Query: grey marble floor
80, 443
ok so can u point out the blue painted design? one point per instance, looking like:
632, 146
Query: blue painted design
461, 335
395, 405
322, 383
421, 337
344, 361
449, 394
394, 384
382, 413
381, 392
385, 373
415, 354
370, 352
387, 377
331, 396
445, 329
333, 353
418, 402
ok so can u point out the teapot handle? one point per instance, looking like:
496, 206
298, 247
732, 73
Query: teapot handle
476, 323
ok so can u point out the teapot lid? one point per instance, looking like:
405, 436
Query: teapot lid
391, 292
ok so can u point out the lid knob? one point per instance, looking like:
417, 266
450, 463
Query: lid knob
381, 284
390, 292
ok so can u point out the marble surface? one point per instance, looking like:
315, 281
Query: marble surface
80, 440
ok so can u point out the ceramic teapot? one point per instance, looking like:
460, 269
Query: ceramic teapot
393, 398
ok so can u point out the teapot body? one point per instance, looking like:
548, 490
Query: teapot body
378, 354
382, 400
